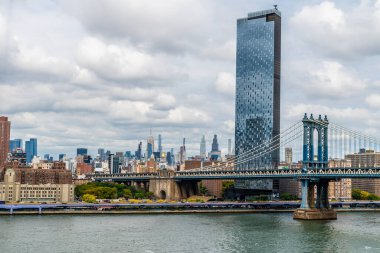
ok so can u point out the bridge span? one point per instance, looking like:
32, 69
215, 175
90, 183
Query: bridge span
314, 176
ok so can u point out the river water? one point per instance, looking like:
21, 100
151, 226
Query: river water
264, 232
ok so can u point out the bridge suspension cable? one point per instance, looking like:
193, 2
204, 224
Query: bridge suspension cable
286, 136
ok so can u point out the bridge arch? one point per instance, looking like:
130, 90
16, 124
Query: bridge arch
315, 142
163, 194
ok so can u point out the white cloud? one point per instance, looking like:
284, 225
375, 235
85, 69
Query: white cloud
351, 33
373, 100
333, 80
169, 25
122, 62
225, 83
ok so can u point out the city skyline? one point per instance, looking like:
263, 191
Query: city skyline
188, 92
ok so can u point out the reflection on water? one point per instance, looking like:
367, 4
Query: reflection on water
352, 232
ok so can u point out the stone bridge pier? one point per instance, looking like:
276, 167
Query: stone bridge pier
164, 186
315, 201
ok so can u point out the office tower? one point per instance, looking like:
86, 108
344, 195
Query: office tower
5, 133
288, 155
30, 149
61, 157
169, 158
202, 150
229, 151
46, 157
102, 154
81, 151
173, 156
182, 152
149, 146
215, 145
159, 143
114, 164
15, 144
138, 152
215, 153
258, 57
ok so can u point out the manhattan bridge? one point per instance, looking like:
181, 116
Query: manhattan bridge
317, 139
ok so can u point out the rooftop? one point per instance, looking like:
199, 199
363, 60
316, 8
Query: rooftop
263, 13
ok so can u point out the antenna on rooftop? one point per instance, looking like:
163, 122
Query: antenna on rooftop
275, 6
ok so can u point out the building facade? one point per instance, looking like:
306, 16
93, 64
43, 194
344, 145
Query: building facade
215, 154
365, 158
341, 189
5, 133
13, 190
258, 62
202, 148
15, 144
30, 149
81, 151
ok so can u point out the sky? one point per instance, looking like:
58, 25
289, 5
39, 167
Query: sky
102, 74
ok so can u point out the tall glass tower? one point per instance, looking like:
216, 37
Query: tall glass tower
30, 149
258, 63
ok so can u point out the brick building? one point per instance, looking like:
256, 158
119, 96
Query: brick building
5, 132
365, 158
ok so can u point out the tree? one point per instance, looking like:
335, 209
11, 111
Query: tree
139, 194
287, 196
89, 198
227, 185
127, 193
363, 195
203, 189
149, 195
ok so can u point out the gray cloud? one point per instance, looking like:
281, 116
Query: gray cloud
101, 75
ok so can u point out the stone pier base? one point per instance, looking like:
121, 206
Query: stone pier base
315, 214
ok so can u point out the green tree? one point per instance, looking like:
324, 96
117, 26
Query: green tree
139, 194
127, 193
203, 190
287, 196
89, 198
363, 195
227, 185
149, 195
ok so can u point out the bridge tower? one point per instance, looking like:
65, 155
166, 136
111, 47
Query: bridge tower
311, 208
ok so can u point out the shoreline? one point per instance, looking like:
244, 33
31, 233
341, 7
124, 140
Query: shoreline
169, 212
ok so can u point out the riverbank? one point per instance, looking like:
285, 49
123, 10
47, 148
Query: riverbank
199, 211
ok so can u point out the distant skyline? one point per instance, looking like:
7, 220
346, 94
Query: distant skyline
72, 79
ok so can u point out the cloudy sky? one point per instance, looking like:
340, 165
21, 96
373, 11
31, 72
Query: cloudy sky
103, 73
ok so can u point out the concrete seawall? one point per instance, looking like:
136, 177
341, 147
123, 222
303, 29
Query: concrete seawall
199, 211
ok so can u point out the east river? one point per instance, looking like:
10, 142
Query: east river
268, 232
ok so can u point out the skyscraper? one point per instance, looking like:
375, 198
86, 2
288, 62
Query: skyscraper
149, 146
229, 146
102, 154
258, 57
202, 150
288, 155
159, 144
30, 149
215, 153
215, 145
5, 133
81, 151
15, 144
182, 152
138, 152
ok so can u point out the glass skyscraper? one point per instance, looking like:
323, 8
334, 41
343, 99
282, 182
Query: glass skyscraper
15, 144
30, 149
258, 63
